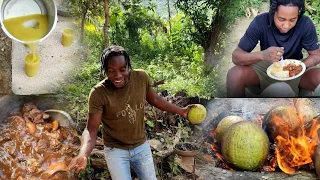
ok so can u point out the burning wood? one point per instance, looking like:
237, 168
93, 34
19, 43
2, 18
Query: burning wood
271, 164
216, 149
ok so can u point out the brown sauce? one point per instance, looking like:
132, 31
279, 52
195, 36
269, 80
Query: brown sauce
28, 154
293, 69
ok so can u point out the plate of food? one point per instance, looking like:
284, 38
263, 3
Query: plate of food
290, 69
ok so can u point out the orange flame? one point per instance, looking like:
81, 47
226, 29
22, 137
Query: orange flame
295, 148
216, 149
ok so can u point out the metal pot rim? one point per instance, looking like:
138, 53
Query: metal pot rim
55, 17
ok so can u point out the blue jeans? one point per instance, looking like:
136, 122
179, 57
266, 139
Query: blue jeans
119, 160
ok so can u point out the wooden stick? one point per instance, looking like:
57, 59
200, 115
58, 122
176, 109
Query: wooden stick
309, 8
157, 83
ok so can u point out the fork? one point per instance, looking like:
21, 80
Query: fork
281, 61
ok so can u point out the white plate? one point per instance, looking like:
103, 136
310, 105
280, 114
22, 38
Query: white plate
287, 61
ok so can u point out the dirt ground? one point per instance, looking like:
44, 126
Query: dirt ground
5, 64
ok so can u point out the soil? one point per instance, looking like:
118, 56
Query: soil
5, 64
187, 147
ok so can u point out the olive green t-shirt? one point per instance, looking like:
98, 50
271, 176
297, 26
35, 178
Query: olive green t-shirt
122, 110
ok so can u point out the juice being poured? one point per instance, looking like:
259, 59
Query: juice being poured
30, 29
27, 28
33, 46
32, 60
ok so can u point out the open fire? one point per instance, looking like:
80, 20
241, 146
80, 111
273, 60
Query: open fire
297, 147
293, 144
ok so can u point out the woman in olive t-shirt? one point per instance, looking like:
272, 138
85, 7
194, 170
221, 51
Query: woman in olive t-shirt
118, 102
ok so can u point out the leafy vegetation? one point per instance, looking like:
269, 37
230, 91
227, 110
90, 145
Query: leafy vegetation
313, 11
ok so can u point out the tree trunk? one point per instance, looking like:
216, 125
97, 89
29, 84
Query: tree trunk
170, 27
106, 23
169, 13
83, 19
217, 26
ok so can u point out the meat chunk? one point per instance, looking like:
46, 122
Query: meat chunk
56, 139
32, 165
33, 114
68, 149
55, 144
293, 69
42, 146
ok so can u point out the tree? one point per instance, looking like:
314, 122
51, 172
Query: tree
129, 19
209, 19
169, 16
88, 10
106, 23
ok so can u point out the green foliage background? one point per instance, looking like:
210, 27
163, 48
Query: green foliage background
314, 15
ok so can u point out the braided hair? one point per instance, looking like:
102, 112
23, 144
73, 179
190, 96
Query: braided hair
110, 52
275, 3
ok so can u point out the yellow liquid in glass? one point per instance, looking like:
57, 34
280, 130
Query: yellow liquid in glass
27, 28
32, 63
67, 37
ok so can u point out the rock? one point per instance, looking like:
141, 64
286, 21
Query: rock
316, 160
224, 171
306, 111
187, 167
155, 144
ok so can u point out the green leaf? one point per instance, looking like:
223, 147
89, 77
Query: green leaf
150, 123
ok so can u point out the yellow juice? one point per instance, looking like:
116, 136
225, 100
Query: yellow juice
27, 28
32, 63
67, 37
32, 46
